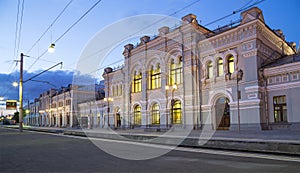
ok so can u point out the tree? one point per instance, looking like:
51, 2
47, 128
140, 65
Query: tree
16, 116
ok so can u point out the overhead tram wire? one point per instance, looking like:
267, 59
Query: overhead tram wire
59, 38
17, 33
235, 12
77, 21
50, 26
244, 7
20, 27
17, 37
171, 14
17, 28
240, 9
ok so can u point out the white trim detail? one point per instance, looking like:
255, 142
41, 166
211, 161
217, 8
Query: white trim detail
284, 86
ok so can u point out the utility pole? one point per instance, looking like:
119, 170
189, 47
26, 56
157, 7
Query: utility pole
21, 95
21, 88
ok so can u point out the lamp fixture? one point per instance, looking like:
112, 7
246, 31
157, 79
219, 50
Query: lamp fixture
51, 48
15, 84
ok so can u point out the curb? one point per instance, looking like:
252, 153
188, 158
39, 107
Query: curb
238, 145
272, 147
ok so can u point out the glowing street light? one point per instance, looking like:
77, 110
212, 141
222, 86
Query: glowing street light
51, 48
15, 84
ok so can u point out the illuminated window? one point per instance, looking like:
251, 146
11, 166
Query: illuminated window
137, 115
209, 70
137, 82
220, 67
175, 76
120, 90
231, 64
116, 90
280, 109
177, 113
155, 114
155, 77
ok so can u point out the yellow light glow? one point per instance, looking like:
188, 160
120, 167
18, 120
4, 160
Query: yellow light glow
15, 84
51, 48
175, 87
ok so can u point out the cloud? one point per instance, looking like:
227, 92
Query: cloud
32, 89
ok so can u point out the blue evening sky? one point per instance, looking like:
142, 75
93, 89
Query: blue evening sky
39, 14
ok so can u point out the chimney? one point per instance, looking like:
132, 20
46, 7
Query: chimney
279, 33
190, 18
144, 39
127, 49
163, 30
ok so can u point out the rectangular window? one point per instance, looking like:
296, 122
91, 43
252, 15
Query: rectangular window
231, 67
137, 83
270, 80
155, 79
175, 73
68, 102
284, 78
278, 79
280, 109
294, 76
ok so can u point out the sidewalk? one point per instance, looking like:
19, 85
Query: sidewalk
272, 141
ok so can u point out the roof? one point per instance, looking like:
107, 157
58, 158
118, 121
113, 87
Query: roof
285, 60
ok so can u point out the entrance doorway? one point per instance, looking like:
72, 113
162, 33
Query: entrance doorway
118, 117
222, 114
60, 120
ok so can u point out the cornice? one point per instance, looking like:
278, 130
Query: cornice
282, 69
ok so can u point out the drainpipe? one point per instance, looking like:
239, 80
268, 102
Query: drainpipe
183, 72
267, 102
200, 88
266, 98
146, 98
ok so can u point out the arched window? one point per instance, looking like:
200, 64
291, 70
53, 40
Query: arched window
175, 76
209, 70
137, 115
230, 64
137, 82
155, 77
155, 114
177, 113
220, 67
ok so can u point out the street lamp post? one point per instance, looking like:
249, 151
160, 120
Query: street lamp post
239, 78
21, 88
174, 87
108, 99
21, 95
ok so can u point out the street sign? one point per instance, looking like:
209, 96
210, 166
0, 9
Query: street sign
11, 104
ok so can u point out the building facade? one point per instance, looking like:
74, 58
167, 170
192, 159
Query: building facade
71, 106
191, 76
243, 76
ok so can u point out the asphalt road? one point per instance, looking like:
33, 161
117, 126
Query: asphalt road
41, 152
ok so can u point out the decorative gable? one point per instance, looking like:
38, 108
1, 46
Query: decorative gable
252, 14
